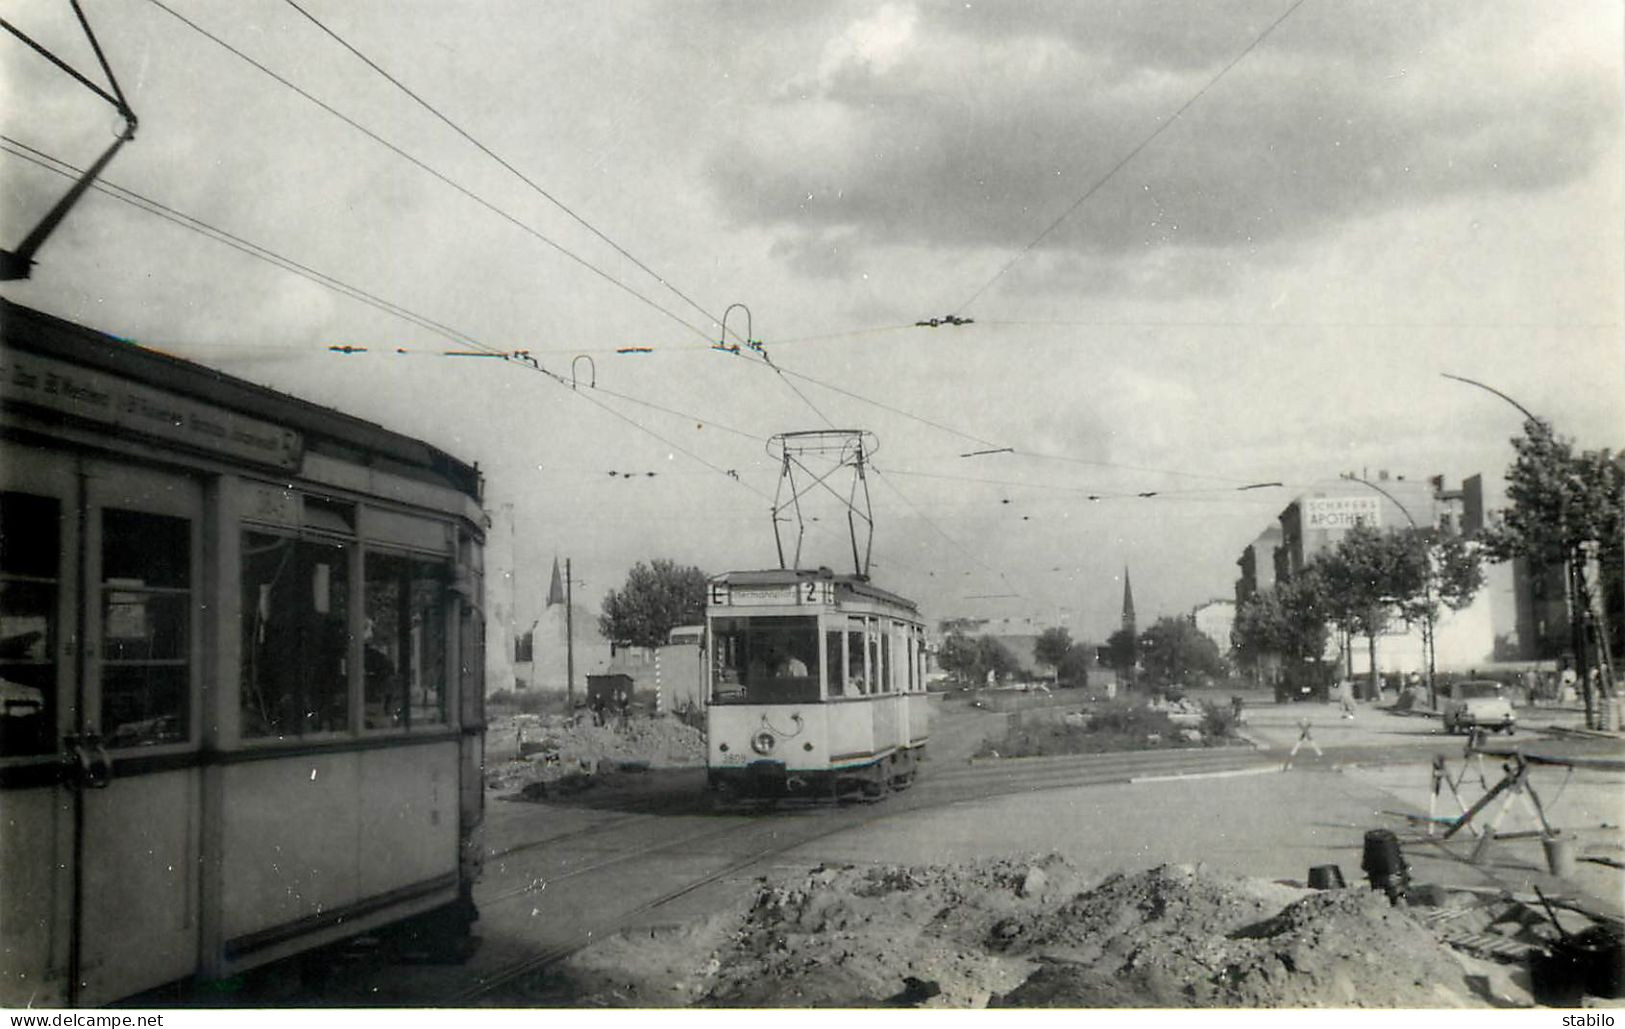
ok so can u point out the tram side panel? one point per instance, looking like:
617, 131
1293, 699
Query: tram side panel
325, 833
36, 835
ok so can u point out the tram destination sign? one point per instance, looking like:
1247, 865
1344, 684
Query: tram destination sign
1342, 512
778, 595
65, 388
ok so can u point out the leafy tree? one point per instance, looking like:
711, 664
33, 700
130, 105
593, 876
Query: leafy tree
1052, 647
958, 656
1454, 573
656, 598
993, 656
1174, 650
1122, 652
1074, 667
1563, 505
1288, 621
1366, 577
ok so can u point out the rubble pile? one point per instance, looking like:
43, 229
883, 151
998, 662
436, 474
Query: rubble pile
1178, 937
1027, 933
547, 749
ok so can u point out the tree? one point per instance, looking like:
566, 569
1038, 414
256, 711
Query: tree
1563, 506
1366, 577
1288, 621
1175, 651
958, 656
1122, 652
656, 598
1074, 667
993, 656
1052, 647
1454, 575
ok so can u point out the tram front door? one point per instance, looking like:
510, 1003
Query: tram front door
100, 788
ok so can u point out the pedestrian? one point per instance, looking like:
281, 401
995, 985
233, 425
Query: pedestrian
1345, 695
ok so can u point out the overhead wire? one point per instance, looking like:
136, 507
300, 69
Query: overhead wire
1100, 182
105, 186
427, 168
783, 373
493, 155
43, 160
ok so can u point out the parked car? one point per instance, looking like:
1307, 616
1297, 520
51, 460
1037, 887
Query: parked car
1477, 704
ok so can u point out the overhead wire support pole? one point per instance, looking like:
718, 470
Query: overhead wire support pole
19, 263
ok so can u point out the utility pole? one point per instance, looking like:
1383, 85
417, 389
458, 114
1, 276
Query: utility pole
569, 638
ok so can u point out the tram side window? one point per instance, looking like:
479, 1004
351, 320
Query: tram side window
884, 674
146, 628
30, 553
765, 660
404, 641
834, 662
296, 636
854, 662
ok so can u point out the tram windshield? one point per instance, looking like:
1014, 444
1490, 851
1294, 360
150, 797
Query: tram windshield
764, 660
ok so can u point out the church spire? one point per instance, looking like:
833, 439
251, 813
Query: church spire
1128, 604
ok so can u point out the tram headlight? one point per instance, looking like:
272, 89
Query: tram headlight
763, 743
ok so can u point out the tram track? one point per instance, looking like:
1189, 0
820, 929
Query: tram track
952, 785
513, 973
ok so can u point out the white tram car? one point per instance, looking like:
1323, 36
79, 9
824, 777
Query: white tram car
241, 664
815, 685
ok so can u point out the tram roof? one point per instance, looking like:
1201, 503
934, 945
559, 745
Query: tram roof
856, 585
325, 430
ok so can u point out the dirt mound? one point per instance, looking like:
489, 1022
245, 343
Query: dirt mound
1024, 932
554, 748
1176, 937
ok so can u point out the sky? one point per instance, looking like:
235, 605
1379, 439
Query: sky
1203, 246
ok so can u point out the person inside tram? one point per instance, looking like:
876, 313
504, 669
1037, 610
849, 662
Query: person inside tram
790, 667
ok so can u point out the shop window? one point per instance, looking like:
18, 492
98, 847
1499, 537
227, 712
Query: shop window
30, 557
146, 608
404, 641
296, 636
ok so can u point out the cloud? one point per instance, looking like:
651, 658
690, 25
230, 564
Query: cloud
979, 131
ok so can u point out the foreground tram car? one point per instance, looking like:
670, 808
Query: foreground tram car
815, 686
241, 656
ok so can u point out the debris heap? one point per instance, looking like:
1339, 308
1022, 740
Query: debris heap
1029, 933
547, 749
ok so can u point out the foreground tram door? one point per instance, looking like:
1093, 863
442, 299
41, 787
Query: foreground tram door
100, 661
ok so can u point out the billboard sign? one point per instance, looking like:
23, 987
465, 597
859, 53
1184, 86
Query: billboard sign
1342, 513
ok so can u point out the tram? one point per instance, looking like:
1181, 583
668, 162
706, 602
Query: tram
241, 672
816, 686
815, 682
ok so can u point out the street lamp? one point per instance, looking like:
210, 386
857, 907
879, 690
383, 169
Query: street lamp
1427, 588
1572, 573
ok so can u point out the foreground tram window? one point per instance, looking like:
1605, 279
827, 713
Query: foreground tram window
30, 554
765, 660
296, 636
404, 636
146, 627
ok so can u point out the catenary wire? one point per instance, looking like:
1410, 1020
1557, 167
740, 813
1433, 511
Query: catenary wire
1134, 152
487, 151
196, 225
57, 166
424, 166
